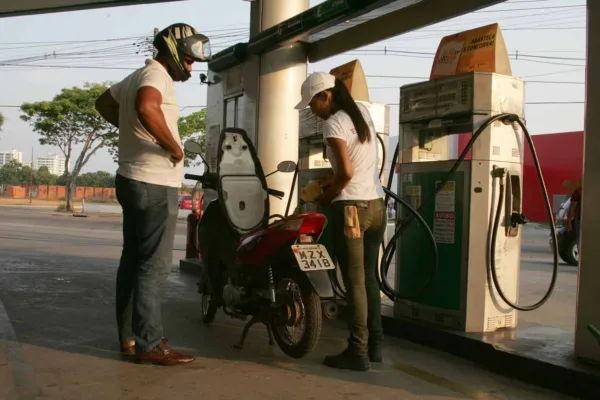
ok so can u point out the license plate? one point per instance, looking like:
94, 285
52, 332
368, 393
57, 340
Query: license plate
312, 257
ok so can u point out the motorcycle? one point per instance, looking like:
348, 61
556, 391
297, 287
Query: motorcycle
276, 274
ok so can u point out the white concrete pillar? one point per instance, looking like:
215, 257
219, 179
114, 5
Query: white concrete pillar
281, 74
588, 294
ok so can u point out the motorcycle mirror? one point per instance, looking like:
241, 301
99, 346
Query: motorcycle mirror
286, 166
192, 147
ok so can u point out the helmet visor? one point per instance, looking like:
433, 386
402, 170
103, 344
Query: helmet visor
196, 47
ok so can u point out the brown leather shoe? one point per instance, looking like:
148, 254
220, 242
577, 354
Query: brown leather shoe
164, 355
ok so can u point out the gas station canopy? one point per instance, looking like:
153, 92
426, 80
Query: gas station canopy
12, 8
334, 27
329, 28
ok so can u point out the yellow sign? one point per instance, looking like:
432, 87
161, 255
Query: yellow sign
482, 50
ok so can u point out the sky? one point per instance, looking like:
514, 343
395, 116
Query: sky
40, 55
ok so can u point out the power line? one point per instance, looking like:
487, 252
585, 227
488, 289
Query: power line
527, 9
367, 76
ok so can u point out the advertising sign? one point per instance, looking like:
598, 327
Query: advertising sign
481, 49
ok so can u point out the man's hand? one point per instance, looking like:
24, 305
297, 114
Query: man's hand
177, 157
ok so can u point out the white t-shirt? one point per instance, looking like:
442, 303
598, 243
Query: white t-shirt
364, 157
140, 158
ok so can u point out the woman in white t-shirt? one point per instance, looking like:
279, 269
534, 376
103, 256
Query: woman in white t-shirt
358, 211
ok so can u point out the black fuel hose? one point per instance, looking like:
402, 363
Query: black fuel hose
492, 254
383, 156
390, 249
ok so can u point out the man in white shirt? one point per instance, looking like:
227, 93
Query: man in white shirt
144, 108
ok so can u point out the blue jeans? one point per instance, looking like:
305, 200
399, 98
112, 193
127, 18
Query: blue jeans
149, 220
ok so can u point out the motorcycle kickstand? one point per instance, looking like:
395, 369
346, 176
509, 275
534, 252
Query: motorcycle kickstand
270, 333
240, 345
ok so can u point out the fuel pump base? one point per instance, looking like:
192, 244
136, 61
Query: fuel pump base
460, 296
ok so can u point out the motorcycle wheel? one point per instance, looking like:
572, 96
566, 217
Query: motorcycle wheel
209, 308
572, 254
306, 310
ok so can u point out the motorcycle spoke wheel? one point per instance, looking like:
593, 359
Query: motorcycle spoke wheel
293, 329
299, 328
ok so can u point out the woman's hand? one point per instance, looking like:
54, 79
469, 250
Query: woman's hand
324, 199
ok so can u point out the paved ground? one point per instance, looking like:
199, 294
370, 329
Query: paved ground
57, 332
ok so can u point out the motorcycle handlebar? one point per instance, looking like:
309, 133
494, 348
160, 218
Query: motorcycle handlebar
276, 193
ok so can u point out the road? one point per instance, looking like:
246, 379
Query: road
58, 336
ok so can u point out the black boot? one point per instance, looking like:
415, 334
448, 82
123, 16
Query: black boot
349, 359
376, 352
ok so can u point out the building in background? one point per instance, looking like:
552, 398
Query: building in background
55, 164
11, 155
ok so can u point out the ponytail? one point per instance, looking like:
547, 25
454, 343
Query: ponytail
344, 101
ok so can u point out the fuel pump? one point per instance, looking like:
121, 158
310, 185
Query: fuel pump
460, 149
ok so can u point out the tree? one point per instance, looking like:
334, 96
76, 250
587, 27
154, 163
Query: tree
1, 121
71, 119
44, 177
193, 127
10, 173
100, 179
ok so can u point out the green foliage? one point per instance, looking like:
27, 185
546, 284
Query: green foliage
192, 127
14, 173
1, 121
71, 119
99, 179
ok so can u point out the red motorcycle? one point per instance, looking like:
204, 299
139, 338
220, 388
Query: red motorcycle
276, 274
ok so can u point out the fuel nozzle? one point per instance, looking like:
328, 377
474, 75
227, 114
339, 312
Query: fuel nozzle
518, 219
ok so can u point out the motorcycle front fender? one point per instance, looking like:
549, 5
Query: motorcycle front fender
321, 283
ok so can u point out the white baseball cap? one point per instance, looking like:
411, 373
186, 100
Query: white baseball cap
314, 84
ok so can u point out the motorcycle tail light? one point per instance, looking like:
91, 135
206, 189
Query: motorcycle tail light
293, 225
305, 239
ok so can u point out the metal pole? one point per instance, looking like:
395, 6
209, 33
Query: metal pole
586, 346
31, 178
282, 72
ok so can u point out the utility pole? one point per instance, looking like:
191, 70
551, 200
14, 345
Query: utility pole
31, 178
155, 52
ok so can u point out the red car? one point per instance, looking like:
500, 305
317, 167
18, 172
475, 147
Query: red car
185, 202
